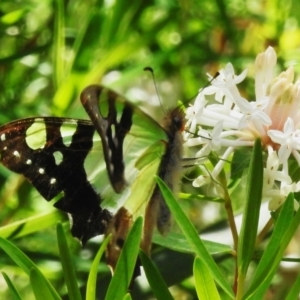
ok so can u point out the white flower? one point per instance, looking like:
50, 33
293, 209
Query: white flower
288, 139
231, 122
280, 196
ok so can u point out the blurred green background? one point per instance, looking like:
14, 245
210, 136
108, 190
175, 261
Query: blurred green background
50, 50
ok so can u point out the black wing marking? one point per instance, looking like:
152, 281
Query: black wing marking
38, 162
111, 130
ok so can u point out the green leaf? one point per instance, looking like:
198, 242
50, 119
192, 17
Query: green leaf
59, 43
193, 238
247, 237
12, 288
284, 229
204, 282
12, 17
295, 290
92, 279
17, 255
125, 266
67, 264
157, 284
23, 262
40, 286
127, 297
240, 161
30, 225
178, 242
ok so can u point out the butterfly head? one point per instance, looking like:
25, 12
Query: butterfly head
174, 121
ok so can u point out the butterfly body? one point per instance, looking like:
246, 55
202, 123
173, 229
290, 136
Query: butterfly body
157, 212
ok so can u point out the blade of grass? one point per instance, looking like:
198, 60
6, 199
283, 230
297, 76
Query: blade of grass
40, 286
127, 297
157, 284
92, 279
282, 234
295, 290
67, 264
59, 43
178, 242
14, 293
17, 256
23, 261
193, 238
30, 225
204, 282
247, 237
264, 266
125, 266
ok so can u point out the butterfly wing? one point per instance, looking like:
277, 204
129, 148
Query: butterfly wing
126, 134
161, 156
113, 118
50, 153
60, 155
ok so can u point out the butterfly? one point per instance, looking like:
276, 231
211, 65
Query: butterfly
103, 168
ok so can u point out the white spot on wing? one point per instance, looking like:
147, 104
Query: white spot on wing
36, 135
52, 181
16, 153
28, 162
3, 137
41, 171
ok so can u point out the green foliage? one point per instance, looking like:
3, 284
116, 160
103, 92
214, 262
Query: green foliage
159, 287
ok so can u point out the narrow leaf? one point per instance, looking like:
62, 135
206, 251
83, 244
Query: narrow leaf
59, 43
23, 262
14, 293
295, 290
178, 242
204, 282
124, 269
249, 227
280, 238
30, 225
157, 284
92, 279
40, 286
193, 238
127, 297
267, 260
67, 264
17, 256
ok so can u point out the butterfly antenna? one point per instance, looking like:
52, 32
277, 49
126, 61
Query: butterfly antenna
149, 69
207, 84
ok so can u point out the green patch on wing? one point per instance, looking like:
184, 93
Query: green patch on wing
142, 187
143, 149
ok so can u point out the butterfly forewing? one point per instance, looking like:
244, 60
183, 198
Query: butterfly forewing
50, 153
109, 112
113, 118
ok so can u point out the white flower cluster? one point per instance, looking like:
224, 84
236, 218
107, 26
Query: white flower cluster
223, 120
